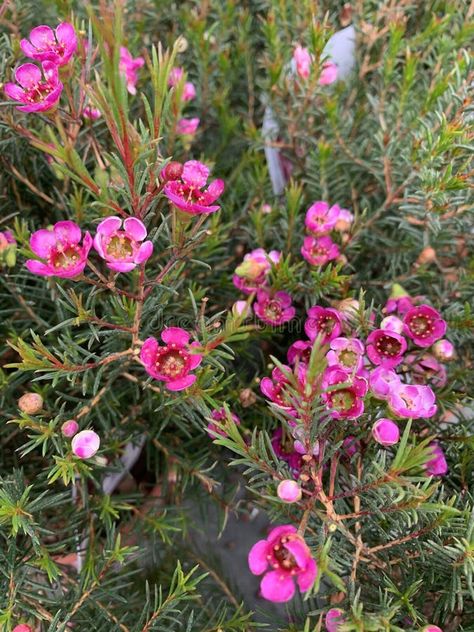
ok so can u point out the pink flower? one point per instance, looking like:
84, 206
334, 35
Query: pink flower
187, 127
220, 415
300, 351
187, 195
328, 73
424, 325
289, 491
275, 389
444, 350
289, 558
284, 448
427, 369
274, 309
346, 402
189, 91
175, 76
436, 466
382, 381
57, 46
412, 401
241, 309
323, 320
122, 249
22, 627
302, 59
128, 67
174, 362
334, 618
346, 353
319, 250
321, 218
400, 301
172, 171
7, 239
253, 271
428, 628
90, 113
392, 323
69, 428
39, 89
386, 348
61, 248
386, 432
85, 444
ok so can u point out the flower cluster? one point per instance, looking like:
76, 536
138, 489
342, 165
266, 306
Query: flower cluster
318, 247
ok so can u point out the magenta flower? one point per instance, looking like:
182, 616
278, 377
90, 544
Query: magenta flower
85, 444
382, 380
189, 92
39, 89
69, 428
436, 466
334, 618
424, 325
400, 301
323, 320
428, 628
128, 67
122, 249
289, 558
319, 250
187, 195
90, 113
253, 271
328, 73
386, 347
303, 60
300, 351
412, 401
175, 76
386, 432
62, 250
22, 627
274, 308
322, 218
173, 362
289, 491
187, 127
444, 350
220, 415
284, 448
427, 369
344, 402
57, 46
346, 353
275, 389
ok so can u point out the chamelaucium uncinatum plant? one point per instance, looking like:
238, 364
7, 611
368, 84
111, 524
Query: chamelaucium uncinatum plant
236, 290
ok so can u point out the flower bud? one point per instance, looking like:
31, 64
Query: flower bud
437, 465
69, 428
266, 209
427, 255
241, 308
431, 628
392, 323
386, 432
289, 491
247, 397
334, 618
85, 444
172, 171
30, 403
22, 627
443, 350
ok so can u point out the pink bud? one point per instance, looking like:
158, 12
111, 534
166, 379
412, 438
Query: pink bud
386, 432
334, 617
172, 171
443, 350
266, 209
289, 491
85, 444
30, 403
241, 308
392, 323
22, 627
431, 628
69, 428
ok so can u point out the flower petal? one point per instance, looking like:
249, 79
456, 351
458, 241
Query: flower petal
109, 225
144, 252
135, 228
42, 36
121, 266
195, 360
299, 550
182, 383
28, 75
67, 232
14, 91
195, 173
42, 241
37, 267
214, 190
148, 351
28, 49
65, 34
306, 578
277, 587
278, 532
257, 557
175, 335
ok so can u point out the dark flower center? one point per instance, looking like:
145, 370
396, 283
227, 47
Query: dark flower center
272, 310
421, 325
326, 324
285, 559
388, 346
171, 363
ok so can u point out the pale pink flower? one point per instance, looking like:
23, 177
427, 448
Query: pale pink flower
412, 401
346, 353
444, 350
39, 89
69, 428
302, 58
392, 323
61, 249
57, 46
242, 308
173, 362
128, 67
289, 559
382, 381
85, 444
122, 248
187, 127
328, 73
